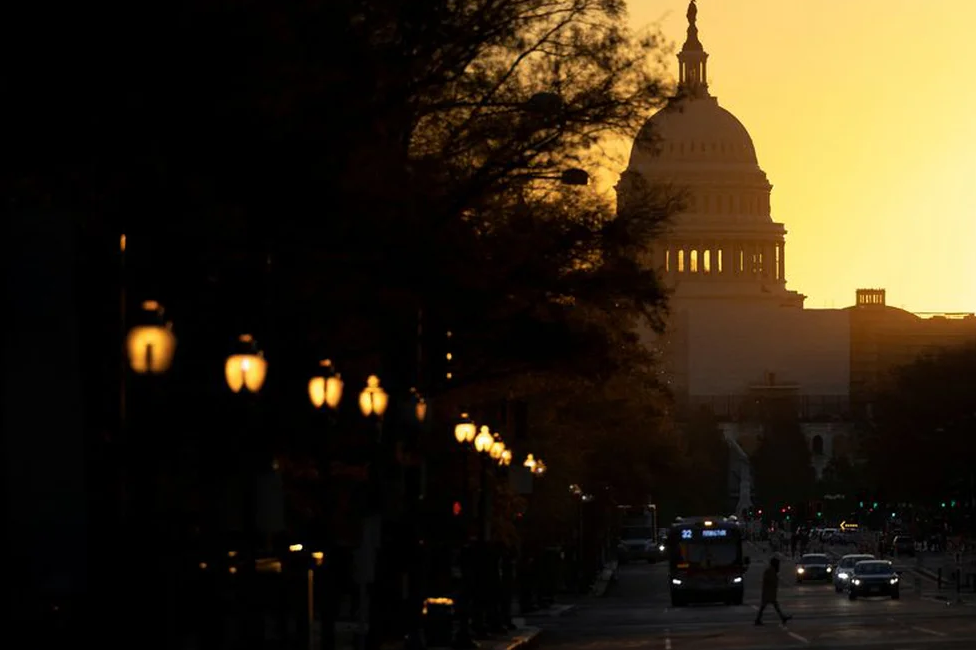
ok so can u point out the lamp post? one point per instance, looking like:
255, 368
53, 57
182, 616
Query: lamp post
150, 346
465, 432
373, 401
245, 371
325, 390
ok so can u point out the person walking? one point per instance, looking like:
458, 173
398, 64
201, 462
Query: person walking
770, 587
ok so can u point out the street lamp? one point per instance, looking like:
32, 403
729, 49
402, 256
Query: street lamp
419, 406
484, 440
151, 344
574, 176
530, 463
506, 458
373, 399
247, 367
465, 430
497, 448
326, 386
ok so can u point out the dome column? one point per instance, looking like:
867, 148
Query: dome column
782, 261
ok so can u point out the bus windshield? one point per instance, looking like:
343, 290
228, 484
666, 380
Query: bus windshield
703, 554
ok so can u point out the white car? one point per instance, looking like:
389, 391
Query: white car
845, 568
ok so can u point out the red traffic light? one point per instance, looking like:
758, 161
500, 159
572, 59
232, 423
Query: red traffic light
456, 508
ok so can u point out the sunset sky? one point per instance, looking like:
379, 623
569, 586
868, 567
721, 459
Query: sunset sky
863, 113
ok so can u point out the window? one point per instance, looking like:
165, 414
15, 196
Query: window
681, 261
694, 261
718, 259
707, 261
667, 260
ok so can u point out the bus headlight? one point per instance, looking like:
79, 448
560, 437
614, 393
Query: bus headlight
660, 547
675, 581
736, 580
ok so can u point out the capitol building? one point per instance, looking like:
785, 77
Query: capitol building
736, 330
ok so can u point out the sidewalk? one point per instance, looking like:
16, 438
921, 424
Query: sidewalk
521, 639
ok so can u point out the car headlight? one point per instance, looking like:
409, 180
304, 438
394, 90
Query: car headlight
843, 575
675, 581
856, 582
661, 548
736, 580
894, 580
800, 570
829, 569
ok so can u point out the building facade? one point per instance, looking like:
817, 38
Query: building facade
736, 332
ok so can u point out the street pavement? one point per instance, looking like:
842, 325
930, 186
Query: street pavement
636, 612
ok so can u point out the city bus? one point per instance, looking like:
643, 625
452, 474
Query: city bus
705, 561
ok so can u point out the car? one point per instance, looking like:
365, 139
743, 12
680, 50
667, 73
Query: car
874, 578
844, 568
813, 566
638, 543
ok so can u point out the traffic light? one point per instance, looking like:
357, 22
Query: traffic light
875, 505
943, 504
892, 515
760, 512
860, 504
819, 514
456, 509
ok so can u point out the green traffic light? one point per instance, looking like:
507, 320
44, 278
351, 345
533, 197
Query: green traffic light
952, 503
943, 504
819, 514
874, 505
892, 515
860, 504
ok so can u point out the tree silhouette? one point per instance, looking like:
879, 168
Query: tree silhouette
339, 167
706, 459
781, 463
921, 445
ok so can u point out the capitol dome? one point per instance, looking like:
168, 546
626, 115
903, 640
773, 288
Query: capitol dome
723, 243
693, 131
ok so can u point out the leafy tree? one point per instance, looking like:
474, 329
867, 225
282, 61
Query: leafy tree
922, 445
365, 159
781, 464
707, 461
327, 175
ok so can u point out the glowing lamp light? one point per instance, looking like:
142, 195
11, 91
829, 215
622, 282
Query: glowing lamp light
325, 387
506, 458
483, 441
465, 430
496, 449
151, 344
530, 462
419, 405
373, 400
246, 369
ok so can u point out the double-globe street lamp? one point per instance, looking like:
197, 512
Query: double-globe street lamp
150, 346
487, 446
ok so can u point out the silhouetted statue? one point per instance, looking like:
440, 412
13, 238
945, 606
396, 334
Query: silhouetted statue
692, 12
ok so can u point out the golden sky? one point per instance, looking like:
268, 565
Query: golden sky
863, 113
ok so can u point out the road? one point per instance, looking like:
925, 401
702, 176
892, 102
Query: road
636, 613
